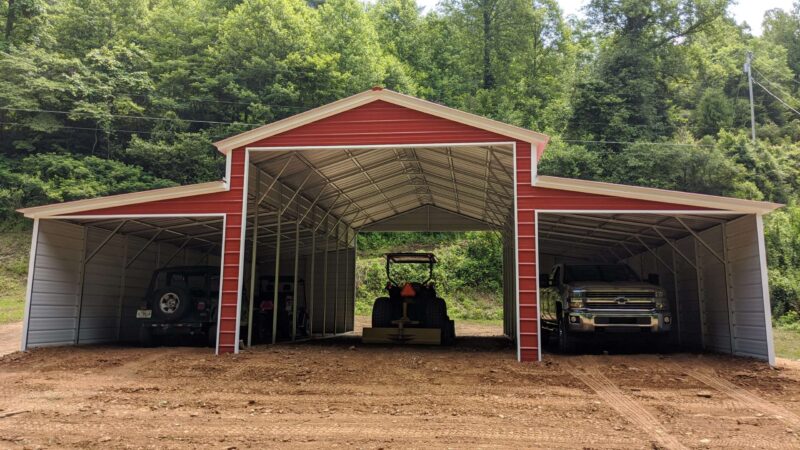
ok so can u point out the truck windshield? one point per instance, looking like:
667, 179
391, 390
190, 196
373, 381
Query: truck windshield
606, 273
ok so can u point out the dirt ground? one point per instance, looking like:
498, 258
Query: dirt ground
339, 393
10, 337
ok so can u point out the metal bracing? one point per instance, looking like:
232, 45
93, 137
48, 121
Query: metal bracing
274, 180
656, 255
177, 252
142, 250
354, 159
701, 240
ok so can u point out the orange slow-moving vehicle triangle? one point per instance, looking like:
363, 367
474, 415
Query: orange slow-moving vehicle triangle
408, 291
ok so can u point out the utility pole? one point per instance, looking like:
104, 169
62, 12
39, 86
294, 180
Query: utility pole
748, 70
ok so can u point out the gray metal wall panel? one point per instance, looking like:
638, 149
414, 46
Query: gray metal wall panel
689, 316
749, 324
55, 287
100, 303
137, 279
714, 298
333, 313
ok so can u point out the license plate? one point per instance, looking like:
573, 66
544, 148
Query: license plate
144, 313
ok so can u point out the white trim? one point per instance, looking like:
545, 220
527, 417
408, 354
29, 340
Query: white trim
516, 257
242, 238
363, 98
538, 284
221, 281
762, 255
656, 195
29, 289
132, 198
694, 212
134, 216
228, 165
379, 146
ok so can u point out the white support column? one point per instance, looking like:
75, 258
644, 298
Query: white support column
325, 286
295, 296
310, 285
762, 257
276, 282
23, 346
253, 262
336, 284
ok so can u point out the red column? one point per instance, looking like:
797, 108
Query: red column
527, 281
230, 256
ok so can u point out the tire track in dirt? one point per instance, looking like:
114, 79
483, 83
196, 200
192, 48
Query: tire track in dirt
629, 409
748, 399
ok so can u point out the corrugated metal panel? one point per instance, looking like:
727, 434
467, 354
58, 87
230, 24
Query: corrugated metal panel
428, 218
689, 317
55, 289
714, 293
101, 300
744, 261
380, 123
333, 301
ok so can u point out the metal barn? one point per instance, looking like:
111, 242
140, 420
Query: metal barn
298, 191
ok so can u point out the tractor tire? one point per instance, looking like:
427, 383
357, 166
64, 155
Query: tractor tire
382, 316
436, 315
170, 304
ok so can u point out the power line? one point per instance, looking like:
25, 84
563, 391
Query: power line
123, 116
777, 98
666, 144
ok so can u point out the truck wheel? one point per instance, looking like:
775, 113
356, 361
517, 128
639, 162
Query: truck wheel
566, 342
382, 313
170, 304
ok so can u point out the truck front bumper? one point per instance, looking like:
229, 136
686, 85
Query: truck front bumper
588, 321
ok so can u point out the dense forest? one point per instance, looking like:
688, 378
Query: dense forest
101, 97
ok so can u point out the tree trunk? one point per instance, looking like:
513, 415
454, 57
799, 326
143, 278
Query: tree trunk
9, 21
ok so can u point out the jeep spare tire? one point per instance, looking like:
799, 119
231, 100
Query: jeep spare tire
170, 304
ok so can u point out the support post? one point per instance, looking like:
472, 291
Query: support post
336, 284
82, 281
295, 295
275, 282
676, 297
311, 283
253, 262
325, 288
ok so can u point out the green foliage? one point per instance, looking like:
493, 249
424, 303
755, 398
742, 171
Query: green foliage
468, 274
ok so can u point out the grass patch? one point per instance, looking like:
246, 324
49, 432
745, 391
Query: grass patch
787, 343
14, 249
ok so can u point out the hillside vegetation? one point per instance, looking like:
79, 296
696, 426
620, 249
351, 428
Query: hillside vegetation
468, 274
100, 97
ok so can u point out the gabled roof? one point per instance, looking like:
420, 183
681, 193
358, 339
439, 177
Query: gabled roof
657, 195
388, 96
91, 204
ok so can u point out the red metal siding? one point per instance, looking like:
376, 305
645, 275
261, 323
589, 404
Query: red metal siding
228, 203
380, 123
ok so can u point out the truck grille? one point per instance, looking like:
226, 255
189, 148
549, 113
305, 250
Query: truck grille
615, 294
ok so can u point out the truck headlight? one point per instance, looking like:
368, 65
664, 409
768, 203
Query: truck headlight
661, 299
576, 298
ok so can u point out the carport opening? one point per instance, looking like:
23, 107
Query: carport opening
706, 265
468, 275
307, 207
94, 279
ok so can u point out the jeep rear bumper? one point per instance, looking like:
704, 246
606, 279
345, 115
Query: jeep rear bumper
587, 321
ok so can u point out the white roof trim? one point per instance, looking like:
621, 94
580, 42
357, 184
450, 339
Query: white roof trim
657, 195
78, 206
388, 96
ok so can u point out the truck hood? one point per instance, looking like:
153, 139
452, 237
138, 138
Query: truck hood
613, 286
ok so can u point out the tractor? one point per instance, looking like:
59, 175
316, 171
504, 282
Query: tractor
412, 313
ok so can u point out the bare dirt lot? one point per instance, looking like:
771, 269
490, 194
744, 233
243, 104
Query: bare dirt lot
337, 392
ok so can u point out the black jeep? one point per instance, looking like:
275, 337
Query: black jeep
180, 301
